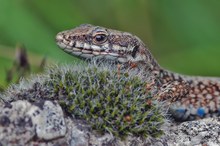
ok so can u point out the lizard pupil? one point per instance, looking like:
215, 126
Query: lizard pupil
100, 38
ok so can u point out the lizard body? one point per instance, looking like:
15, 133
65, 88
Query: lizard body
191, 97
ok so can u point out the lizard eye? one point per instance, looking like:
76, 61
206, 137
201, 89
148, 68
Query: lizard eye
100, 38
134, 52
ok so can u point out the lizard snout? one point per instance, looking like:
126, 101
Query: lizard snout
59, 37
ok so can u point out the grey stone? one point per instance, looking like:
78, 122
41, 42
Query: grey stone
202, 132
43, 123
21, 122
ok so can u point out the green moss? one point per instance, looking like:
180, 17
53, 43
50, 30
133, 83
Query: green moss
108, 101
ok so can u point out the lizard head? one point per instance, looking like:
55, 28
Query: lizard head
88, 41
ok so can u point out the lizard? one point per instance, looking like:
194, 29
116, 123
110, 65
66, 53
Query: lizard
192, 97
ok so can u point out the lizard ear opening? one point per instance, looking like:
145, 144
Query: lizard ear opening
134, 52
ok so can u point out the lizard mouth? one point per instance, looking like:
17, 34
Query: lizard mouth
87, 51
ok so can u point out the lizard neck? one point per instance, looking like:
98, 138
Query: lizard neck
166, 76
147, 60
150, 64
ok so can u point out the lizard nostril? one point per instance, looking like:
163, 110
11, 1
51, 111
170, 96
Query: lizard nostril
73, 44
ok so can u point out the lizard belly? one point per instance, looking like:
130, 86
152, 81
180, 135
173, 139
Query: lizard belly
202, 101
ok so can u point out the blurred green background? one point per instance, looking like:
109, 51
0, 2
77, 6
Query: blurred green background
184, 36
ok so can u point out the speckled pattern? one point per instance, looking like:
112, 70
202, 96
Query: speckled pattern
203, 132
203, 100
25, 123
190, 97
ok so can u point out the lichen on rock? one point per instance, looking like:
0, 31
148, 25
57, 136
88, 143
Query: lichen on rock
22, 121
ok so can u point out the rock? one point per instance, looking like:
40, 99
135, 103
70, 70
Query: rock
49, 121
205, 132
25, 123
16, 127
22, 122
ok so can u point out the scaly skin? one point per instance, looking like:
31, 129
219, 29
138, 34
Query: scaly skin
191, 97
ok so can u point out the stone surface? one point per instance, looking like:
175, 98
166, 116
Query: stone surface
204, 132
16, 127
50, 122
43, 123
22, 122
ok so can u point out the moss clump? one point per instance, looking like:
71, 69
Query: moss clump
110, 101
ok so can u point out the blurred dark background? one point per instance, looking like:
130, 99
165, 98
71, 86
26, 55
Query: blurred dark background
184, 36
